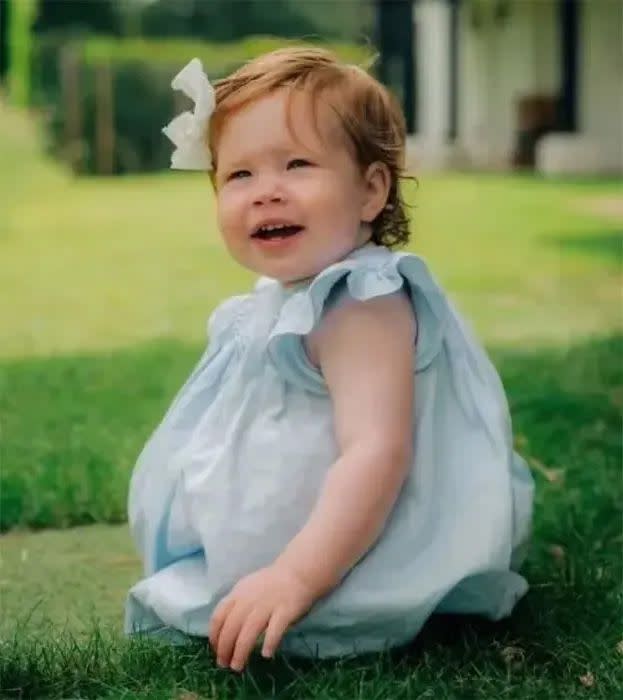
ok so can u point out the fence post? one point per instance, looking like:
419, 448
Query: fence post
70, 88
104, 119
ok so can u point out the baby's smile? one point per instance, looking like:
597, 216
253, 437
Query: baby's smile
274, 231
289, 203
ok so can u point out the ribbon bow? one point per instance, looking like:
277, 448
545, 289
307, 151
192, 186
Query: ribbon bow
187, 130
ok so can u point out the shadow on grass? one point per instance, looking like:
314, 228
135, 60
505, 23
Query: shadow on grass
73, 427
607, 246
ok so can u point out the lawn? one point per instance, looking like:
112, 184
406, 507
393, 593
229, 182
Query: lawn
105, 288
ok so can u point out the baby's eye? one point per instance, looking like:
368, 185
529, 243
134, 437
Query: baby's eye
238, 174
298, 163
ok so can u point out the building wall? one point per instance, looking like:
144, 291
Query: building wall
502, 62
601, 79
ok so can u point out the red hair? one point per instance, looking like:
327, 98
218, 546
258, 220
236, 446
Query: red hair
367, 111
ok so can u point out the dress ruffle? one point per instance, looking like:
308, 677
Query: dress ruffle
375, 275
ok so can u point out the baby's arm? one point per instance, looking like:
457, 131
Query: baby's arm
365, 352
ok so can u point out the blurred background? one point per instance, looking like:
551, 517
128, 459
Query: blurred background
110, 263
533, 84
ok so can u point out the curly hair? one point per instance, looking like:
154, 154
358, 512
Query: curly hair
368, 112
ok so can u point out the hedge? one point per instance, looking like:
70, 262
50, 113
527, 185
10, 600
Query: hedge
125, 86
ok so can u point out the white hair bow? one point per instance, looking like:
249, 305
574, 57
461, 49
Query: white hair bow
187, 131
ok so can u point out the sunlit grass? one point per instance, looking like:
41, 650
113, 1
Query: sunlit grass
97, 264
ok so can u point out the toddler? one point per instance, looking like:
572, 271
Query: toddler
339, 465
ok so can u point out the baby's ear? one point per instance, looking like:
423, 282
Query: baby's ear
377, 182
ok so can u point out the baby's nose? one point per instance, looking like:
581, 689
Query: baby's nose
269, 190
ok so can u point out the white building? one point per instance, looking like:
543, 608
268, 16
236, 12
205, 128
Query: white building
557, 64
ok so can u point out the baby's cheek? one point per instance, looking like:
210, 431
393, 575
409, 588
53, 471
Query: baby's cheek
227, 214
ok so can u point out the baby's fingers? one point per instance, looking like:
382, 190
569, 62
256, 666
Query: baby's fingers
251, 630
277, 627
218, 620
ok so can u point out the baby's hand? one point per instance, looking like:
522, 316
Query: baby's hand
270, 599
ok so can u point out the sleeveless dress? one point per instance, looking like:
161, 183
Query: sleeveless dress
233, 471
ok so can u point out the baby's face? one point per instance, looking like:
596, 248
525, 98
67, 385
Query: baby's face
306, 181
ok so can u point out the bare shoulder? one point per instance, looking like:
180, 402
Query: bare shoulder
389, 316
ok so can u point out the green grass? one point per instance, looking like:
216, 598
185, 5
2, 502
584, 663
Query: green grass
64, 585
451, 660
566, 405
106, 286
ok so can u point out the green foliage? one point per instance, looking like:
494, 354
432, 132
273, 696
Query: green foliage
223, 20
143, 99
485, 11
21, 15
77, 16
211, 20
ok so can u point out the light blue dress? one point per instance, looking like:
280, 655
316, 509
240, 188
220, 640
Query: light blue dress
234, 469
